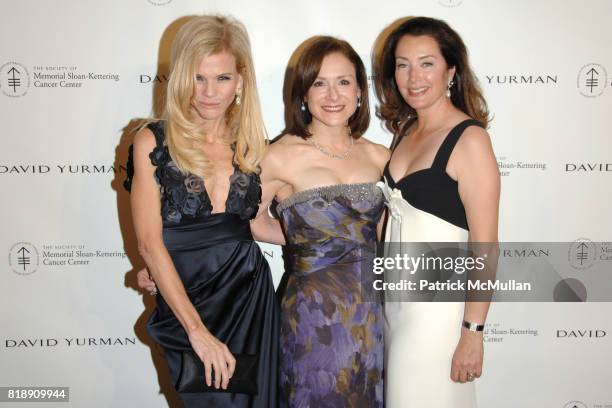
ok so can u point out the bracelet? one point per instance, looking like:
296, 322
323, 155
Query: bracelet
475, 327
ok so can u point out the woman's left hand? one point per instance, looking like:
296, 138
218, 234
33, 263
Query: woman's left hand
467, 360
145, 281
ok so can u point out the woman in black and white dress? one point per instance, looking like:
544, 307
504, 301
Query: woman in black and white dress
441, 185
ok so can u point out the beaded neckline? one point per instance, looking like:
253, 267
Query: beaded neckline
352, 191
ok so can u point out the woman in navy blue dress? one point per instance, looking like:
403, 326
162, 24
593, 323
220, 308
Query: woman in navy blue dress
195, 187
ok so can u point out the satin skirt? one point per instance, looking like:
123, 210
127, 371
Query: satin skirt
421, 337
229, 282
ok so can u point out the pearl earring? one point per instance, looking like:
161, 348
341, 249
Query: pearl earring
448, 88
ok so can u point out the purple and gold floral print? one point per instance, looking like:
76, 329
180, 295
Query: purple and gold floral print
331, 336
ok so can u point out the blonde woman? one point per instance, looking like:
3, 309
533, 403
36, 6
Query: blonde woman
194, 181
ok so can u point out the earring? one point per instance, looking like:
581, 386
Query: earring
448, 88
359, 101
303, 107
238, 99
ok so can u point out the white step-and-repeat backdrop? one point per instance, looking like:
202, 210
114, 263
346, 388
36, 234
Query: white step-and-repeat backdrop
74, 76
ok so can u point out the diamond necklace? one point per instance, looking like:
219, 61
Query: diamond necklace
330, 154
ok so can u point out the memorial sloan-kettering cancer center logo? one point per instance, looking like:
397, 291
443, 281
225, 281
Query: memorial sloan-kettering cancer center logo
575, 404
582, 253
23, 258
592, 80
450, 3
14, 79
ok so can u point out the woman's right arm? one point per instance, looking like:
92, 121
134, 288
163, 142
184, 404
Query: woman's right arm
145, 202
265, 228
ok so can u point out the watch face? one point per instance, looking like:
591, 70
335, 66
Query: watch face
473, 326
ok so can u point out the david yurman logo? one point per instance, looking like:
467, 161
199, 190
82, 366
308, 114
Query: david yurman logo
23, 258
147, 79
14, 79
592, 80
61, 169
581, 333
526, 253
522, 79
70, 342
588, 167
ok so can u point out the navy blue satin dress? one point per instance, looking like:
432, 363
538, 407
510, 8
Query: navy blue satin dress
226, 276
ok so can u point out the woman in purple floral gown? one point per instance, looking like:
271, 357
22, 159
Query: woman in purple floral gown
331, 335
323, 174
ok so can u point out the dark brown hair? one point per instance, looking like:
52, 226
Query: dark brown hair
304, 74
465, 93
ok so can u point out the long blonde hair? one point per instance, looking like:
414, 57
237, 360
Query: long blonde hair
200, 37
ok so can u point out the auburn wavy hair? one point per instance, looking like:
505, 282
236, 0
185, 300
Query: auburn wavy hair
466, 94
198, 38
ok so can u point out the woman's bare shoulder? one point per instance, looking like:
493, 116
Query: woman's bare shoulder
379, 153
284, 150
474, 141
144, 140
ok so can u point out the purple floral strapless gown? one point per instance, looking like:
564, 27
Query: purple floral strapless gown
331, 335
